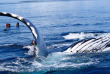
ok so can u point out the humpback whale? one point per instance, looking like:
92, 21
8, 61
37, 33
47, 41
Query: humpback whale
91, 45
39, 46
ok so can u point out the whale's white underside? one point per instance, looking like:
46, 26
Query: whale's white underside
92, 45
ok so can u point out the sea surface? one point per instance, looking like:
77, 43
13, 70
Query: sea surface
61, 23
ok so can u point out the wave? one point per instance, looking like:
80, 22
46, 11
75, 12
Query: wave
31, 50
59, 61
6, 44
83, 35
53, 62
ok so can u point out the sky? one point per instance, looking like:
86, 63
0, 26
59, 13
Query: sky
10, 1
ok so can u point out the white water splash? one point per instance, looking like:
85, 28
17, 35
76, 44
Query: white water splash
59, 61
31, 50
83, 35
6, 44
78, 35
53, 62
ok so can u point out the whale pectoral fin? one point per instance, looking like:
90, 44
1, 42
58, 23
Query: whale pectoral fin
39, 42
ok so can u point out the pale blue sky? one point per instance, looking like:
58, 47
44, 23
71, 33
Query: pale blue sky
10, 1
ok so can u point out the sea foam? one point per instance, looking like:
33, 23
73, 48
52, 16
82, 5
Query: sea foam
83, 35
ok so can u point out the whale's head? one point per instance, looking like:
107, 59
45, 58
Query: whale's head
39, 45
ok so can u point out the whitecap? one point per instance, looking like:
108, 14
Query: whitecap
6, 44
83, 35
31, 50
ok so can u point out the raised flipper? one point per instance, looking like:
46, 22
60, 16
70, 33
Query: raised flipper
40, 46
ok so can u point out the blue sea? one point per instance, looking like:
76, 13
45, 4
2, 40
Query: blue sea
61, 23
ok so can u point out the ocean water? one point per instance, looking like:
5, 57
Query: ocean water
61, 23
